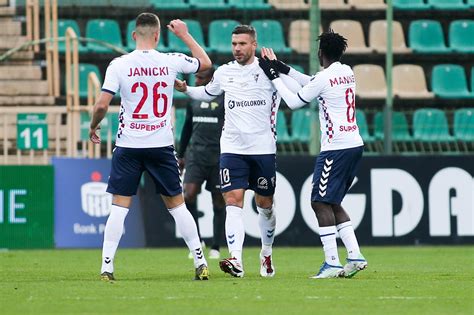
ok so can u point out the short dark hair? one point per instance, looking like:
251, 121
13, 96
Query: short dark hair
147, 19
332, 45
245, 29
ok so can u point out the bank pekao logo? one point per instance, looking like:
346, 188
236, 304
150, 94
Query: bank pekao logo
95, 201
262, 183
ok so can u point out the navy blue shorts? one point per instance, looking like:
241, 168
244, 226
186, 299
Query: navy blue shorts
128, 165
333, 174
255, 172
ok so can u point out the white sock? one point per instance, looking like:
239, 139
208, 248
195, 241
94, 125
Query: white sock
112, 234
328, 238
187, 228
346, 232
235, 231
267, 224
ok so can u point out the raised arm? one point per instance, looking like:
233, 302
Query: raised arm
180, 29
196, 93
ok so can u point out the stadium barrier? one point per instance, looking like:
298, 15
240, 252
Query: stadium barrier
394, 200
82, 205
26, 206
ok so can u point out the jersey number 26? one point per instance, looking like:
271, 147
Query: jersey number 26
156, 97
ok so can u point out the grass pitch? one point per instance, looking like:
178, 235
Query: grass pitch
399, 280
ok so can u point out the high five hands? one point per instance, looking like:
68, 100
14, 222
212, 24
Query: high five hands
270, 65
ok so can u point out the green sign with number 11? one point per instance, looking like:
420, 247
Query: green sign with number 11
32, 132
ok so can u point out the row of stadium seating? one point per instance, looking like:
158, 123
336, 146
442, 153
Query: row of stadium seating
428, 125
425, 36
447, 81
278, 4
270, 32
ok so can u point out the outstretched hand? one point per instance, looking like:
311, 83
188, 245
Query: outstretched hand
180, 86
268, 68
280, 66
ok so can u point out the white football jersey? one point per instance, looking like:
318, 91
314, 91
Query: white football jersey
145, 79
251, 103
334, 88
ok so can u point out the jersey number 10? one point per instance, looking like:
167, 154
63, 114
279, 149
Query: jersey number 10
156, 97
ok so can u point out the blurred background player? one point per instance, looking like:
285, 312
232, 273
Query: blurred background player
341, 146
203, 127
145, 78
248, 145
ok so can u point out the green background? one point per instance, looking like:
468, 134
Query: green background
38, 210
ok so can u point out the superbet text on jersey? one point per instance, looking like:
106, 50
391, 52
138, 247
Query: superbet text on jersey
145, 79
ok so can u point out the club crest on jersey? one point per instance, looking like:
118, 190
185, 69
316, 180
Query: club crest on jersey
255, 77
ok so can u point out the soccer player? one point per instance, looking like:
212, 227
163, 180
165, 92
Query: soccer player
203, 126
341, 146
145, 78
248, 145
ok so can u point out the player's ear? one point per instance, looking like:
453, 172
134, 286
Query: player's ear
134, 35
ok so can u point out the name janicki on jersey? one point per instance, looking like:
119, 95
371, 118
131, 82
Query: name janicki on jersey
148, 71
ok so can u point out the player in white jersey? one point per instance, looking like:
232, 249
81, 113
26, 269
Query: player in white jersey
145, 78
341, 146
248, 147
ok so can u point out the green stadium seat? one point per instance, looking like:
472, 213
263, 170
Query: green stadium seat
301, 125
447, 4
180, 116
104, 30
431, 125
470, 3
399, 126
176, 45
410, 5
363, 126
270, 34
249, 4
62, 27
449, 81
461, 36
464, 124
131, 43
282, 128
84, 70
426, 36
169, 4
472, 79
209, 4
220, 35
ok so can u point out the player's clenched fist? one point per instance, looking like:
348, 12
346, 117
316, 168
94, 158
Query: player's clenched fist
180, 85
178, 27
